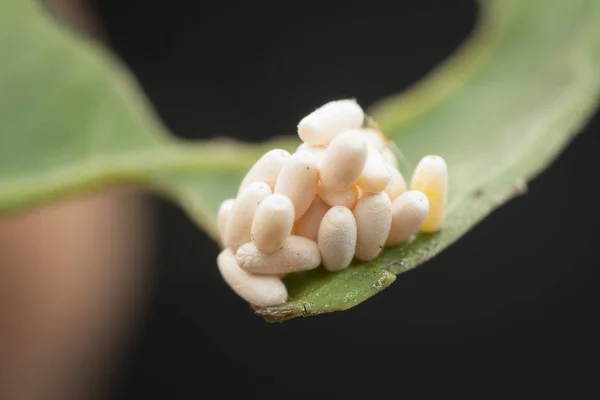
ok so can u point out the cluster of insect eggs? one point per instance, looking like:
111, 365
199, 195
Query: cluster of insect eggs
340, 196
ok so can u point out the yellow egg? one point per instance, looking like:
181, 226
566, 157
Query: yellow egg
431, 178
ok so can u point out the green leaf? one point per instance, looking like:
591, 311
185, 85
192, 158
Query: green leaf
72, 119
499, 111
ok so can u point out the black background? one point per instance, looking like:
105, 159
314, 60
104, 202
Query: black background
513, 304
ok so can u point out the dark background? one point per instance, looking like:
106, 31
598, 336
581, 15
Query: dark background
513, 304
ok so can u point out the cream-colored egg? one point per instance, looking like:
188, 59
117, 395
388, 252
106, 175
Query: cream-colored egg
397, 184
297, 254
298, 181
408, 213
223, 216
337, 238
346, 198
266, 169
239, 223
308, 225
322, 125
272, 223
373, 214
344, 160
375, 175
260, 290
